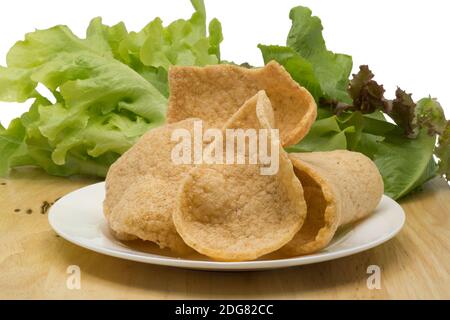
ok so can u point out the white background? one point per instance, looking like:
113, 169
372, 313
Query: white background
406, 43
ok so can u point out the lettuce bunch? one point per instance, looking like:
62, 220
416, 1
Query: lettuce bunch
106, 90
399, 135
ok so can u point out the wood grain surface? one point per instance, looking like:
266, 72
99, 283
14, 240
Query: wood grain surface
34, 260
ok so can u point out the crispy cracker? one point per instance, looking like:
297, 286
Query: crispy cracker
232, 212
145, 211
340, 187
215, 93
151, 155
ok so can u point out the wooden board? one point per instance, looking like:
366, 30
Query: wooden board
34, 260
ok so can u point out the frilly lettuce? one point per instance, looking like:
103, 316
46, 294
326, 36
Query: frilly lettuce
108, 89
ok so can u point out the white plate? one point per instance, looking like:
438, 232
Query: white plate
78, 218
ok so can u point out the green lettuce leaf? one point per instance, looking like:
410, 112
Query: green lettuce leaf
331, 69
325, 135
300, 69
324, 73
443, 152
11, 144
15, 84
430, 115
405, 164
183, 42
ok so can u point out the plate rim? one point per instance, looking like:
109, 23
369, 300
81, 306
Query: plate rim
223, 265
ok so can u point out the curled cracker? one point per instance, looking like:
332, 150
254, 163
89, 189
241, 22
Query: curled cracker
232, 212
340, 187
215, 93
